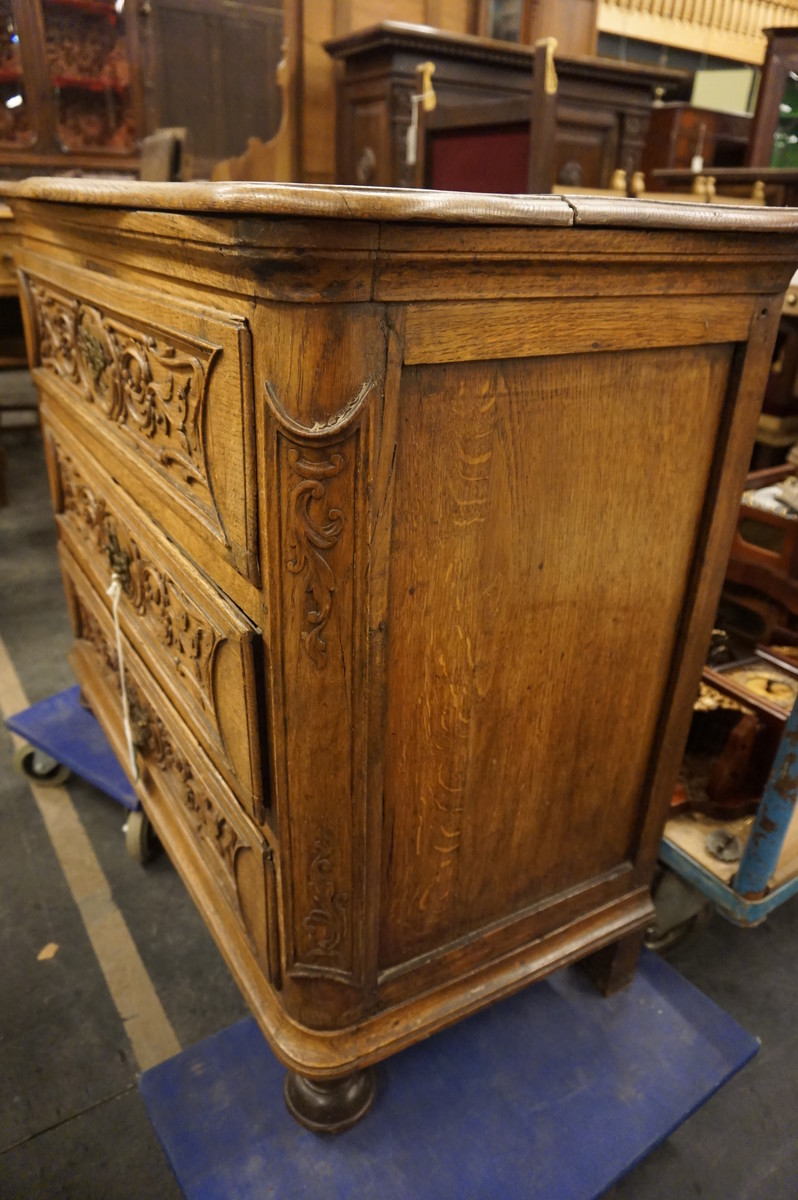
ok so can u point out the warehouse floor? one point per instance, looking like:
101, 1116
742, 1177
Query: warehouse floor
129, 973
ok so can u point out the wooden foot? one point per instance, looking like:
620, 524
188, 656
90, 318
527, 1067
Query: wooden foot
329, 1105
613, 968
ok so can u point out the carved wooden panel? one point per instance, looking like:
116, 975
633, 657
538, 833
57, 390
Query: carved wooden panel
586, 149
200, 648
318, 502
233, 852
318, 435
171, 398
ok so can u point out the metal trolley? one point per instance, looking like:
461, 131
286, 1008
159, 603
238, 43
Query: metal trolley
61, 736
745, 891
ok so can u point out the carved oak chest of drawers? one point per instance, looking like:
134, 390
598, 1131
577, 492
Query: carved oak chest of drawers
417, 509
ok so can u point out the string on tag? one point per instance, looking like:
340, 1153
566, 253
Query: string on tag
115, 592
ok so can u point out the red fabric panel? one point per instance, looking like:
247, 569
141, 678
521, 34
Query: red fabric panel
494, 159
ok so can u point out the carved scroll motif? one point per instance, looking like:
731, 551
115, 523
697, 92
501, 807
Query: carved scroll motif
209, 823
55, 320
188, 640
326, 924
159, 751
312, 533
149, 386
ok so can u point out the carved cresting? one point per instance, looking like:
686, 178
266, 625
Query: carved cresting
147, 384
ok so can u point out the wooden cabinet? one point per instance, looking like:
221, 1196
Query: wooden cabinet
603, 106
70, 86
410, 631
680, 132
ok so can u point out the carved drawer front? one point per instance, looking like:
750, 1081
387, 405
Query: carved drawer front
166, 388
184, 795
198, 646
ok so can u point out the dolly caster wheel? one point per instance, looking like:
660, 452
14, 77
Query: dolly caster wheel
140, 837
681, 912
329, 1105
39, 767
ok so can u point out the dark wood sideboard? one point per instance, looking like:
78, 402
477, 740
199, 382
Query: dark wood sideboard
410, 630
605, 103
678, 132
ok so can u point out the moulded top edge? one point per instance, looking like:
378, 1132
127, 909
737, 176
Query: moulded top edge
618, 211
298, 201
303, 201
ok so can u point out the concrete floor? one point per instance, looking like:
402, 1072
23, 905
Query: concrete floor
71, 1120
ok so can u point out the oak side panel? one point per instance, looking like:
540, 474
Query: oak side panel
538, 573
733, 450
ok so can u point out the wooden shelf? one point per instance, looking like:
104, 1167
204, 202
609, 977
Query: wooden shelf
94, 7
30, 161
87, 84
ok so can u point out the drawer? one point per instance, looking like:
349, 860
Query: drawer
199, 647
198, 818
164, 388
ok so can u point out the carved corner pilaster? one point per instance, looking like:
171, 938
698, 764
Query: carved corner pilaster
320, 470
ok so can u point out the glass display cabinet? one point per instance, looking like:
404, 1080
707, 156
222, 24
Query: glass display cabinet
774, 136
70, 93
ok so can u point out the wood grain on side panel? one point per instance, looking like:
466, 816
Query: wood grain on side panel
539, 572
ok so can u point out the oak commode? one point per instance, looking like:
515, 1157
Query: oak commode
418, 505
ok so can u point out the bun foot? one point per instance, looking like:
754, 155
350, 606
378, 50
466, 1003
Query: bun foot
329, 1105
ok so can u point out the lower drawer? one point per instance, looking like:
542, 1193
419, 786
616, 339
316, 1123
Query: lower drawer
193, 810
200, 649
